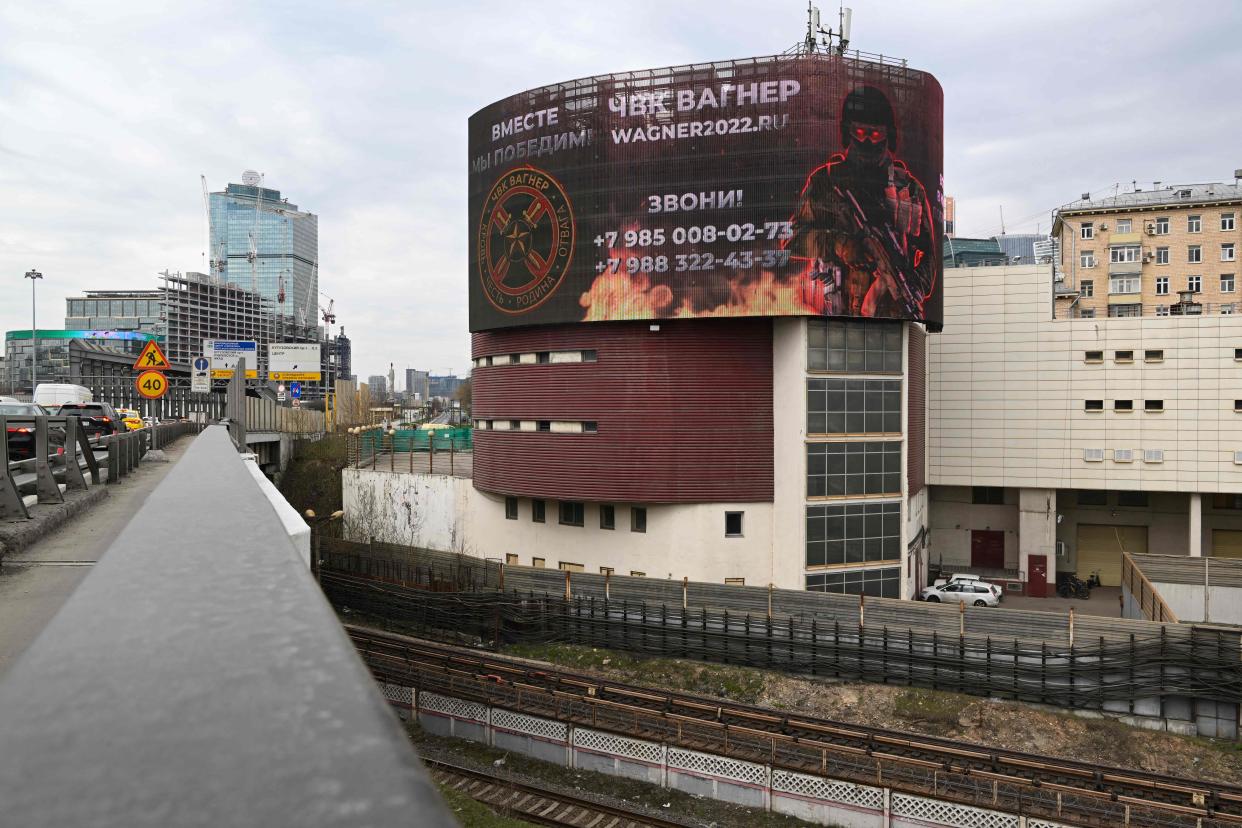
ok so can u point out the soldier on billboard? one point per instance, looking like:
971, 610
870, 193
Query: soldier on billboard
863, 223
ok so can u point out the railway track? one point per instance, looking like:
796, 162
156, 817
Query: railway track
531, 803
1099, 791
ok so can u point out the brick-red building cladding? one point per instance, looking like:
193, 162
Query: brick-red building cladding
916, 406
684, 413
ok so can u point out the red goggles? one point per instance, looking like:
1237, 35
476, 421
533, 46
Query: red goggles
865, 134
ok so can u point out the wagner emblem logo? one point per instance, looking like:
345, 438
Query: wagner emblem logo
525, 239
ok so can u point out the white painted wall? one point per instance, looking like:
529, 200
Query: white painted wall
1007, 385
789, 452
1224, 605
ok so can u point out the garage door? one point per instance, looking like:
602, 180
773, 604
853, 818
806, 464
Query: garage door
1226, 543
1100, 547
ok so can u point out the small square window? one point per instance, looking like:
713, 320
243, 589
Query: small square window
1194, 284
1162, 255
511, 508
1087, 230
1162, 285
543, 357
544, 425
1086, 258
1194, 253
537, 511
1086, 313
1237, 405
590, 427
607, 516
511, 558
1237, 354
1093, 356
1162, 226
1093, 405
537, 563
1086, 287
1153, 356
1194, 224
1123, 405
1226, 221
572, 513
733, 524
590, 356
638, 519
515, 425
1124, 225
1226, 283
1123, 356
1228, 253
1153, 405
514, 359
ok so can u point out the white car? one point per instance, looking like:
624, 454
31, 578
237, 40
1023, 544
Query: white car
965, 592
966, 578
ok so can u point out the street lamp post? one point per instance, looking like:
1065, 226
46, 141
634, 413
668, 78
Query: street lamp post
33, 275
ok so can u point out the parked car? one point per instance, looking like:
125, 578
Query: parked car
967, 578
963, 592
98, 418
21, 435
53, 394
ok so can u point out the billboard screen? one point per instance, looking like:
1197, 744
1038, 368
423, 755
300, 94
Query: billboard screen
788, 185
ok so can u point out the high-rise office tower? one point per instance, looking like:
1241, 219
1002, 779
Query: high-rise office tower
262, 242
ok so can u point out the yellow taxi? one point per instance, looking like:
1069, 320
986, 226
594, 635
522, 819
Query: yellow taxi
131, 419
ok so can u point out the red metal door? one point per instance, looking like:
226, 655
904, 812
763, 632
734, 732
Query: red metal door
987, 549
1037, 581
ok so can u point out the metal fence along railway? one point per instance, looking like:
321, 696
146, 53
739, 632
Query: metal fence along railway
1038, 786
1136, 676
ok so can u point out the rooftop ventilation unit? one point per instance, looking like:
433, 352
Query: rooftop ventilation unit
1086, 196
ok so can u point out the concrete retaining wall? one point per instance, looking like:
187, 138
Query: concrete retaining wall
813, 798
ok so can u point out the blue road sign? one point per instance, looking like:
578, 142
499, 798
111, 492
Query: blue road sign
295, 390
202, 364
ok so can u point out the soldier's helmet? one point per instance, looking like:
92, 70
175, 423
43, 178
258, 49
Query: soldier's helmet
868, 105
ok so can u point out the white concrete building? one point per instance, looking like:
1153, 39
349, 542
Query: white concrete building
1056, 443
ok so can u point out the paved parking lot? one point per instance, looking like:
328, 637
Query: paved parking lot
1105, 601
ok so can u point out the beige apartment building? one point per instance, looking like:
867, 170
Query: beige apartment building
1160, 252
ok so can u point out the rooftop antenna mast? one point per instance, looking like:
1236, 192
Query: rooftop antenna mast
819, 39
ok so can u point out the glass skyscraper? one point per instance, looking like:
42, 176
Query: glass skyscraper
262, 242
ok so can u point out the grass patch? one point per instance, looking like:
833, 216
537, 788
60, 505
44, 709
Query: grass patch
932, 706
473, 814
739, 684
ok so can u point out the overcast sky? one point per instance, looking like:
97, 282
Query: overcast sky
357, 111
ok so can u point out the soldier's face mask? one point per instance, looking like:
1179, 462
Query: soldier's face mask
863, 134
868, 142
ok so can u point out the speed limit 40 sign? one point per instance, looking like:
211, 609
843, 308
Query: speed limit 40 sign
152, 384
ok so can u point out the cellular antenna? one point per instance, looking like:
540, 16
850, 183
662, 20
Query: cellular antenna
821, 40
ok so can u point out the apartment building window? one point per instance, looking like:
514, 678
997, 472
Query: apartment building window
1123, 405
607, 516
1162, 285
1123, 356
843, 469
1194, 224
1125, 254
1123, 284
1227, 309
853, 533
1086, 230
841, 406
1153, 356
1153, 405
733, 524
861, 347
1086, 258
1226, 221
543, 425
537, 511
1227, 253
1226, 283
1162, 255
543, 357
511, 508
1091, 497
1194, 253
1123, 225
638, 519
1093, 356
1162, 226
514, 359
1093, 405
1086, 313
988, 495
572, 513
1086, 288
1194, 283
1162, 310
590, 426
1125, 310
877, 583
515, 425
